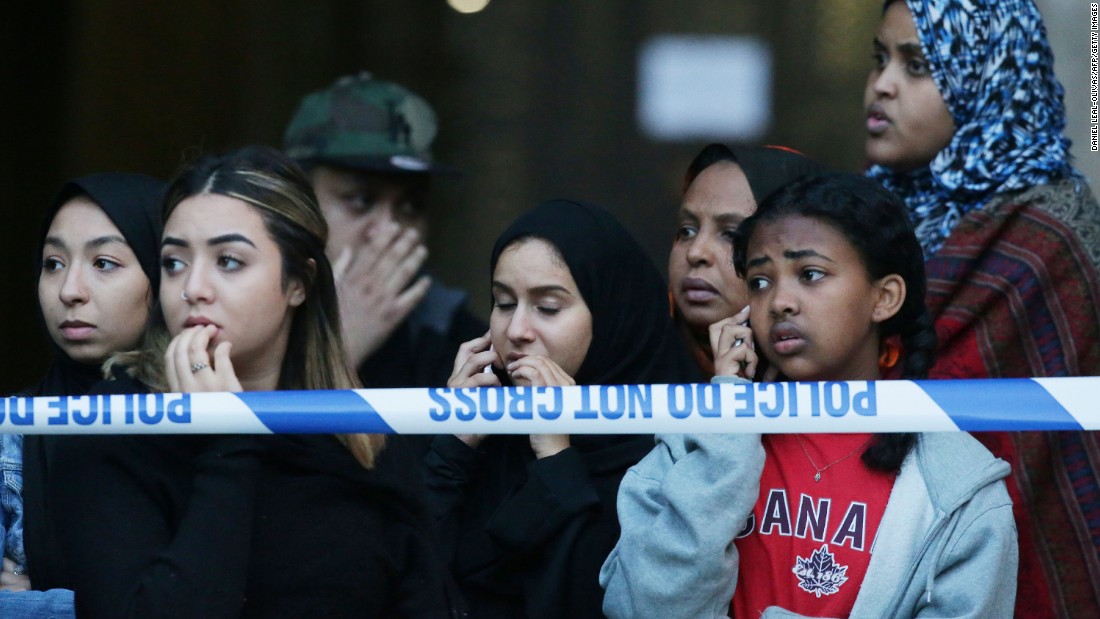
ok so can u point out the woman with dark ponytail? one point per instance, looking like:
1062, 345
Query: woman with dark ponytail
783, 525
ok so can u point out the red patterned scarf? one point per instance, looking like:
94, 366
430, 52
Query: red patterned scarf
1015, 292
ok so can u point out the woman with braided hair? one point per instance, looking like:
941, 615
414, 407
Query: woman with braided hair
783, 525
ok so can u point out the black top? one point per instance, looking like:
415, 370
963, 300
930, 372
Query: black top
132, 202
526, 537
241, 526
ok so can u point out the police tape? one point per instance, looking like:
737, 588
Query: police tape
853, 406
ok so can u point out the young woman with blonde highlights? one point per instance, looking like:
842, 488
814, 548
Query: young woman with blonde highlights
243, 526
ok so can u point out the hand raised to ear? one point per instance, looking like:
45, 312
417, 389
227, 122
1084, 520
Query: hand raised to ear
470, 363
732, 346
472, 358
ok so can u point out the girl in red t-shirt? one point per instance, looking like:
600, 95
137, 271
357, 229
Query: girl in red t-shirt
820, 525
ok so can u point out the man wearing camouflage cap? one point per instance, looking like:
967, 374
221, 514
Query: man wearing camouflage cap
366, 145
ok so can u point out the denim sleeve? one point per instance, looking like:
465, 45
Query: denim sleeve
52, 604
11, 498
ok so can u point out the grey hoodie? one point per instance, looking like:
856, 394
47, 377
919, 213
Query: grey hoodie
946, 546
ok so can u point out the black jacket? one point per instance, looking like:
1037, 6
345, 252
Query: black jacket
526, 537
242, 526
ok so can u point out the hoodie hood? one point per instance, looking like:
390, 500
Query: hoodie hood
948, 488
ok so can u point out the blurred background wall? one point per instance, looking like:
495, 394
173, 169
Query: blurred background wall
536, 99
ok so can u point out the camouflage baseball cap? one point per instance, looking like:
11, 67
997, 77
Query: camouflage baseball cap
364, 123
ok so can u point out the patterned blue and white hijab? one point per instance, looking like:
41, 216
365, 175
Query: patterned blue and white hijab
991, 62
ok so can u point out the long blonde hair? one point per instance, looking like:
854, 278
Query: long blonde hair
272, 184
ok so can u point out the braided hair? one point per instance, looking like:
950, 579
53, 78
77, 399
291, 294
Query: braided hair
877, 225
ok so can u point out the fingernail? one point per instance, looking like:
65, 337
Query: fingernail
744, 309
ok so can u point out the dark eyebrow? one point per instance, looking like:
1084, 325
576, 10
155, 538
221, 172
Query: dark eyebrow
218, 240
230, 238
684, 213
804, 253
723, 219
755, 262
730, 218
790, 254
548, 289
912, 49
537, 290
104, 240
92, 244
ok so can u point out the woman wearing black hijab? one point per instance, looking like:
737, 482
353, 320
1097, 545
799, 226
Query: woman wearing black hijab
131, 203
526, 522
97, 267
722, 187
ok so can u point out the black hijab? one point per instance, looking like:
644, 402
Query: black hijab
633, 339
564, 515
132, 202
767, 168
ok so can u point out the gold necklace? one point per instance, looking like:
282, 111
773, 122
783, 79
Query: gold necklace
819, 471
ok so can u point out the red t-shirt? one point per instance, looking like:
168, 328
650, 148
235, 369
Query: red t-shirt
807, 544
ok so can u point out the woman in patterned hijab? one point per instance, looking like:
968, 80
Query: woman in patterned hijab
964, 122
992, 66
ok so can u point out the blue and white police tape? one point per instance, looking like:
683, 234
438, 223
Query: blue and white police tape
855, 406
